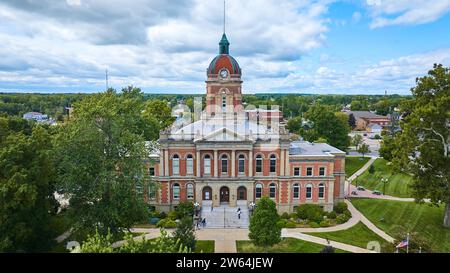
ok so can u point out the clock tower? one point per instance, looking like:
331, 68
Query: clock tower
223, 84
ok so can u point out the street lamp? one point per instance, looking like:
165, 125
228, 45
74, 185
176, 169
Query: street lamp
384, 181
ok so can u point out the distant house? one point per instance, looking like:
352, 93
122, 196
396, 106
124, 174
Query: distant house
35, 116
374, 129
364, 118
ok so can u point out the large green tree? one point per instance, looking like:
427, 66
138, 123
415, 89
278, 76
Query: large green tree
422, 148
27, 184
100, 161
158, 115
264, 230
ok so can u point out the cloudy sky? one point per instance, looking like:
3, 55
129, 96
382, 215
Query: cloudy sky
165, 46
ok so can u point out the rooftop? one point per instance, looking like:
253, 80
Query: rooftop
312, 149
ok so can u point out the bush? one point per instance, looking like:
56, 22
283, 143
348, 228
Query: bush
172, 215
166, 223
324, 223
293, 216
340, 207
311, 212
291, 224
377, 136
348, 214
162, 215
332, 215
185, 209
282, 223
285, 215
314, 225
371, 169
342, 218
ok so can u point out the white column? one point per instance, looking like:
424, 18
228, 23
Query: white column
250, 163
233, 163
198, 163
282, 160
166, 162
288, 166
216, 164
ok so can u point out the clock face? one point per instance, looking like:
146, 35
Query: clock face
223, 73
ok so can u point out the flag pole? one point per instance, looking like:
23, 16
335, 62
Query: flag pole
407, 242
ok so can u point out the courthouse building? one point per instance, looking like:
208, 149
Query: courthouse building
233, 156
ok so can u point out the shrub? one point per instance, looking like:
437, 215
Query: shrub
172, 215
332, 215
162, 215
342, 218
340, 207
185, 234
348, 214
166, 223
310, 212
282, 223
377, 136
285, 215
314, 225
185, 209
324, 223
371, 169
291, 224
293, 216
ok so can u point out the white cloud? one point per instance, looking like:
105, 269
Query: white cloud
406, 12
356, 17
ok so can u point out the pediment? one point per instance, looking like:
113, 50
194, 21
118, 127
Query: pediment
223, 134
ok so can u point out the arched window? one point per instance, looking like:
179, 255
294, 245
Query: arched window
321, 191
190, 191
273, 163
224, 160
224, 102
259, 162
207, 165
258, 191
152, 191
308, 191
296, 191
175, 165
189, 164
241, 164
272, 190
176, 192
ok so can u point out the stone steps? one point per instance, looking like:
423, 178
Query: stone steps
225, 217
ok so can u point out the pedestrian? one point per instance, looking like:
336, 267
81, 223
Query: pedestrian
212, 207
239, 214
204, 222
197, 221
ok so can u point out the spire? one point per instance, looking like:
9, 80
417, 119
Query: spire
224, 45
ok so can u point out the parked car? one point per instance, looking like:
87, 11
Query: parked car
361, 188
354, 193
376, 192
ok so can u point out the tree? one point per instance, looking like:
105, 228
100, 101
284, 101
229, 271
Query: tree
364, 149
27, 184
357, 140
185, 209
294, 124
98, 243
264, 230
185, 233
387, 147
158, 115
352, 121
358, 105
100, 154
422, 147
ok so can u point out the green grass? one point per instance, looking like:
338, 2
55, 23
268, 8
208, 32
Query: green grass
354, 163
424, 219
287, 245
358, 235
204, 247
397, 185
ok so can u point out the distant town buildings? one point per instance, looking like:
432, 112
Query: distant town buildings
366, 118
38, 117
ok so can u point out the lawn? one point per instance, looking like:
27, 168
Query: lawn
358, 235
397, 184
204, 247
354, 163
424, 219
287, 245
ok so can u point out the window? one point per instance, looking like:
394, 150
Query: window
321, 191
296, 191
322, 171
224, 160
308, 191
189, 164
176, 192
309, 171
258, 191
272, 190
190, 191
207, 164
241, 164
151, 171
273, 163
297, 171
224, 102
152, 191
175, 165
259, 163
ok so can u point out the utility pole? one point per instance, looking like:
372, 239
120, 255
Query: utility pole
106, 78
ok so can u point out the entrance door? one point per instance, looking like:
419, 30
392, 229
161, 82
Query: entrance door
241, 193
224, 194
207, 193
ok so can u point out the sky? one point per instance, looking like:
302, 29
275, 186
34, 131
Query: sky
289, 46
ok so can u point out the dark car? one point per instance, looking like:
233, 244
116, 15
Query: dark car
376, 192
354, 193
361, 188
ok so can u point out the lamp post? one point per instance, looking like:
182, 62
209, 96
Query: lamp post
384, 181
